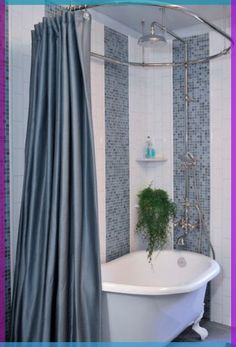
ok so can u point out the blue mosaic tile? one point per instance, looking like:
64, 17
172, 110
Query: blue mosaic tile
199, 136
7, 191
117, 145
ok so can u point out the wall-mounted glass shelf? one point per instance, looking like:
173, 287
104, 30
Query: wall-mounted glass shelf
152, 160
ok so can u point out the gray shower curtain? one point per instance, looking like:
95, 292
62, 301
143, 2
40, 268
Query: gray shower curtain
57, 286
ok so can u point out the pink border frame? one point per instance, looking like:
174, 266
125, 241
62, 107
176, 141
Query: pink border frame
233, 174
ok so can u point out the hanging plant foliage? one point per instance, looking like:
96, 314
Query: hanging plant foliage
155, 213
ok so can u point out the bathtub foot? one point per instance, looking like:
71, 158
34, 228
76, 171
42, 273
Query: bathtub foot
202, 332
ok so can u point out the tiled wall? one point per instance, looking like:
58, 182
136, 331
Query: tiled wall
215, 180
199, 139
220, 179
199, 133
220, 119
150, 114
117, 145
7, 190
3, 159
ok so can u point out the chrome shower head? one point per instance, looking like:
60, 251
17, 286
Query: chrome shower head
151, 39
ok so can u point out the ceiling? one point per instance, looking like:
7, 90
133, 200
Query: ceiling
132, 15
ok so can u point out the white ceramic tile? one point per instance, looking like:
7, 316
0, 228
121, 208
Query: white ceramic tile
16, 107
220, 180
148, 117
17, 183
18, 134
18, 78
216, 312
18, 162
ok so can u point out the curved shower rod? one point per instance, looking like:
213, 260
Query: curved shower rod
171, 33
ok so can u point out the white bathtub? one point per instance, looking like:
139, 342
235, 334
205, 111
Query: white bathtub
154, 302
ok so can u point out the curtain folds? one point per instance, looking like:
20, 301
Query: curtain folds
57, 283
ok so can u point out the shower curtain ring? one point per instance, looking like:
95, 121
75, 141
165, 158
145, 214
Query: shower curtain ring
86, 14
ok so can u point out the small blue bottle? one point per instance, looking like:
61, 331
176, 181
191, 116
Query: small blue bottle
148, 153
153, 153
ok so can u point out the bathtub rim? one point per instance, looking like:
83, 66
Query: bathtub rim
204, 278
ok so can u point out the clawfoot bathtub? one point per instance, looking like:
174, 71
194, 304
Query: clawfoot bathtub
145, 302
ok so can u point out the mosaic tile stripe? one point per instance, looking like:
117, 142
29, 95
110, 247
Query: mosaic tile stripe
199, 135
2, 173
7, 191
117, 145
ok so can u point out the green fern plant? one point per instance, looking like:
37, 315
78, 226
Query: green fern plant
155, 213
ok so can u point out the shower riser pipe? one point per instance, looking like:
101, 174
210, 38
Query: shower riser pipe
186, 96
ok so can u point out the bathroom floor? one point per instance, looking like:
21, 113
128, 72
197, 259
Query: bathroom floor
217, 333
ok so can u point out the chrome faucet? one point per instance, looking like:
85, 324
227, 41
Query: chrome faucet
185, 223
181, 240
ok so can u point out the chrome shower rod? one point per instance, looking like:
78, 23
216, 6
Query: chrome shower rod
151, 65
171, 33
